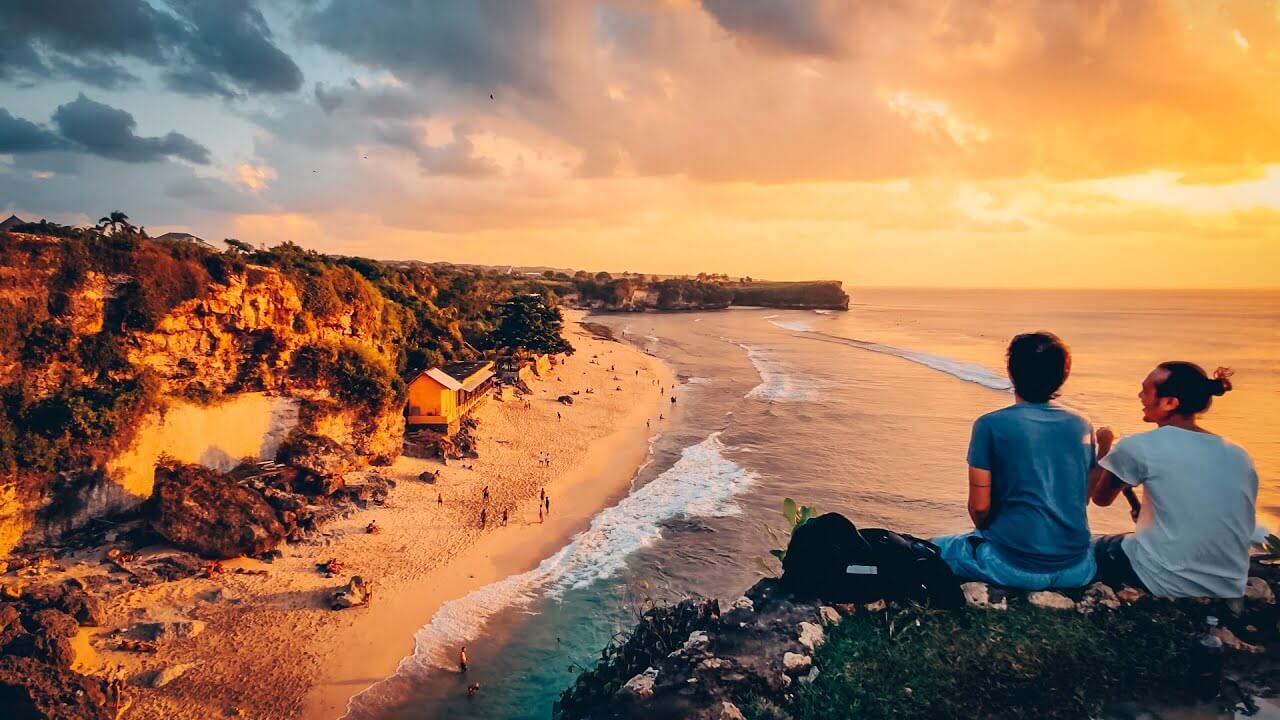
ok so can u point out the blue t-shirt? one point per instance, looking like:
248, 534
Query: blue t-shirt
1039, 455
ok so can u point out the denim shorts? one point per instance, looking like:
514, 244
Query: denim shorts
972, 557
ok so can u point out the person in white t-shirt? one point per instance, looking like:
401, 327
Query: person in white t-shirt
1199, 493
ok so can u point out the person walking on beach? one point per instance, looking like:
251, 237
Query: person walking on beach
439, 498
462, 659
484, 517
542, 494
504, 517
540, 516
1201, 490
1029, 466
485, 496
547, 501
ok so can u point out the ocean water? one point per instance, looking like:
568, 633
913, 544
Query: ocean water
865, 412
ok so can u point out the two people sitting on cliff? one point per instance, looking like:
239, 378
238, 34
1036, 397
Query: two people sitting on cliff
1035, 465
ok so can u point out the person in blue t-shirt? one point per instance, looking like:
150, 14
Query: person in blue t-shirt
1029, 469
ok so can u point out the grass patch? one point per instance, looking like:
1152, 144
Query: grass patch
1023, 662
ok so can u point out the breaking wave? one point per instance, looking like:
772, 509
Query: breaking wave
701, 483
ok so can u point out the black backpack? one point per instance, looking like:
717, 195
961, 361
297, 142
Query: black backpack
830, 559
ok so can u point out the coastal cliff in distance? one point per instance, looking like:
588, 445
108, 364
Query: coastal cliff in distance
636, 293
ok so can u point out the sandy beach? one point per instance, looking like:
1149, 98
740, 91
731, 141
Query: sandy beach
271, 647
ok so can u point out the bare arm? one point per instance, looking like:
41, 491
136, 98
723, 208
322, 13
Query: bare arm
980, 497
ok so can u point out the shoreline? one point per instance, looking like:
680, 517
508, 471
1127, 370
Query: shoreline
273, 648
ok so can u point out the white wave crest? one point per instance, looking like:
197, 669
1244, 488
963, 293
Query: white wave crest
776, 384
701, 483
793, 325
967, 371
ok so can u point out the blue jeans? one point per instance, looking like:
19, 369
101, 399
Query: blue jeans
981, 561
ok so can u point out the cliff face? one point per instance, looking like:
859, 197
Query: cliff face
628, 295
217, 369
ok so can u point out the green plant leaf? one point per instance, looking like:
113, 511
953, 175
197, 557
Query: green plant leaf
789, 511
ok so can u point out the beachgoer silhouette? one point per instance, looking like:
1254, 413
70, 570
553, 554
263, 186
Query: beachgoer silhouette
486, 494
472, 689
673, 399
462, 659
484, 517
504, 517
548, 502
539, 512
439, 499
542, 494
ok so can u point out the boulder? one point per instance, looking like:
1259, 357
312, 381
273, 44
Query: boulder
164, 676
1256, 590
828, 615
796, 663
322, 458
1098, 595
698, 640
200, 510
85, 608
1051, 600
743, 603
641, 686
32, 689
174, 630
429, 477
810, 636
978, 595
52, 631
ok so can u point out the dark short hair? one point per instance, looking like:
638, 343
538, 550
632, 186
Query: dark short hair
1192, 386
1038, 365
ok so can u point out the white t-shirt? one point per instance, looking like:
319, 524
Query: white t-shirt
1198, 515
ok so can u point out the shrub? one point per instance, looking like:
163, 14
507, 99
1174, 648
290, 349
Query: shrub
350, 372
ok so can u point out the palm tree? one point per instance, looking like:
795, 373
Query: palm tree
117, 222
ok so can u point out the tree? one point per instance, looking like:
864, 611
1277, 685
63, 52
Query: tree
117, 222
528, 325
239, 246
603, 277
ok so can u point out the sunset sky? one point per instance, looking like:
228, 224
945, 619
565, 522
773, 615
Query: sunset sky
1115, 143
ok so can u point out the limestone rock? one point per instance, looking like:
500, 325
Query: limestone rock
811, 636
978, 595
33, 689
85, 608
1050, 600
641, 686
796, 663
321, 457
202, 511
698, 640
52, 631
1098, 595
828, 615
1130, 595
743, 603
167, 675
1256, 590
174, 630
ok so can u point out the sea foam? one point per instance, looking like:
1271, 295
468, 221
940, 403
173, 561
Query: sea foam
701, 483
776, 384
967, 371
793, 325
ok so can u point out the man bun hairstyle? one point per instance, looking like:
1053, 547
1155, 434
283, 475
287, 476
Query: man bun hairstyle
1038, 364
1192, 386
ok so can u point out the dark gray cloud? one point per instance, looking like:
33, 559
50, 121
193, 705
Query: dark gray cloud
230, 39
484, 44
796, 26
456, 158
221, 48
23, 136
110, 132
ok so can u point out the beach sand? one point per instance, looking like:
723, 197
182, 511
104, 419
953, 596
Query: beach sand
273, 649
